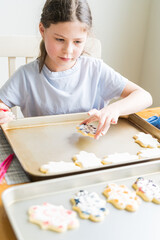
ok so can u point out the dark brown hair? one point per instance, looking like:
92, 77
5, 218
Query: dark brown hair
55, 11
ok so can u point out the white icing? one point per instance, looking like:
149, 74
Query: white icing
87, 160
90, 204
54, 167
123, 196
149, 188
48, 216
147, 139
149, 152
119, 157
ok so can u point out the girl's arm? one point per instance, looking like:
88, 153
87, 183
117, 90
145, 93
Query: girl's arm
134, 99
5, 113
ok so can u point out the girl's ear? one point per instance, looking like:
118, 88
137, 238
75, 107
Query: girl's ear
41, 29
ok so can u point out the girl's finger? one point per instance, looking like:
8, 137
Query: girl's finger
3, 106
4, 120
106, 126
114, 120
6, 114
94, 116
105, 130
94, 112
6, 117
88, 120
100, 126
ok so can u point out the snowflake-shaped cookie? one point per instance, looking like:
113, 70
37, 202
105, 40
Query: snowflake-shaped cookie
52, 217
119, 158
89, 205
149, 153
146, 140
87, 160
147, 189
58, 167
121, 197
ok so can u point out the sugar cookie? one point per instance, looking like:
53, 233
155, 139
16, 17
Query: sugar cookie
121, 197
87, 130
119, 158
147, 190
87, 160
146, 140
149, 152
89, 205
56, 167
51, 217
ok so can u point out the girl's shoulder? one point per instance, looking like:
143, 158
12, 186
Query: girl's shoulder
92, 63
29, 67
28, 70
85, 59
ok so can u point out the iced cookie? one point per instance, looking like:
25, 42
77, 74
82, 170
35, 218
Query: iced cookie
119, 158
146, 140
149, 153
147, 190
89, 205
87, 130
57, 167
121, 197
87, 160
51, 217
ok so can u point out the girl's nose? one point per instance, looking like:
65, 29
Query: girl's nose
68, 48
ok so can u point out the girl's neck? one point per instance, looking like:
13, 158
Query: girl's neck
58, 68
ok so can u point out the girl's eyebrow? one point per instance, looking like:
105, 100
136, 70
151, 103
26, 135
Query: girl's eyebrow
59, 35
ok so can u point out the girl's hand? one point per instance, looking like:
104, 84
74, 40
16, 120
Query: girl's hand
5, 114
106, 116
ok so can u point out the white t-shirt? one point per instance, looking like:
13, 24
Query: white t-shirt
89, 84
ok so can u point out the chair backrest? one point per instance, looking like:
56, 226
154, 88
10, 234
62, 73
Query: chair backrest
19, 50
14, 52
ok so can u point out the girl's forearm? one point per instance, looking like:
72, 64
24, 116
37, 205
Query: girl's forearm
134, 102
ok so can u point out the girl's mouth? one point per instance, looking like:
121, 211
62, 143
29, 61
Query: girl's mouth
66, 59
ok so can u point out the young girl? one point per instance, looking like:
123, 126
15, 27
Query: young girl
62, 80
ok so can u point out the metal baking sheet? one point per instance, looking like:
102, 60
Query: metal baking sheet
119, 224
144, 125
39, 140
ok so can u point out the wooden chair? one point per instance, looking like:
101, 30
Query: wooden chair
19, 50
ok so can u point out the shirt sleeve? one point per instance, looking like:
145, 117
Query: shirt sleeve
13, 92
111, 84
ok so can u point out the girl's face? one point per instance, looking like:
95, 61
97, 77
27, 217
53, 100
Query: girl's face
64, 43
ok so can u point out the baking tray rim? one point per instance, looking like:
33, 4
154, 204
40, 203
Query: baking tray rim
38, 121
108, 172
88, 170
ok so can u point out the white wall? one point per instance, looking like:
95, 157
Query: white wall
20, 17
121, 26
150, 74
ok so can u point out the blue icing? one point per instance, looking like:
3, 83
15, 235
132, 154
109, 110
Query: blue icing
87, 213
103, 209
77, 201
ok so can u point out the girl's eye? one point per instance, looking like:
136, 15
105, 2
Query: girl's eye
59, 39
78, 42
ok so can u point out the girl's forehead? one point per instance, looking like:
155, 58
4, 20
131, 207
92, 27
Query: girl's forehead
74, 29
